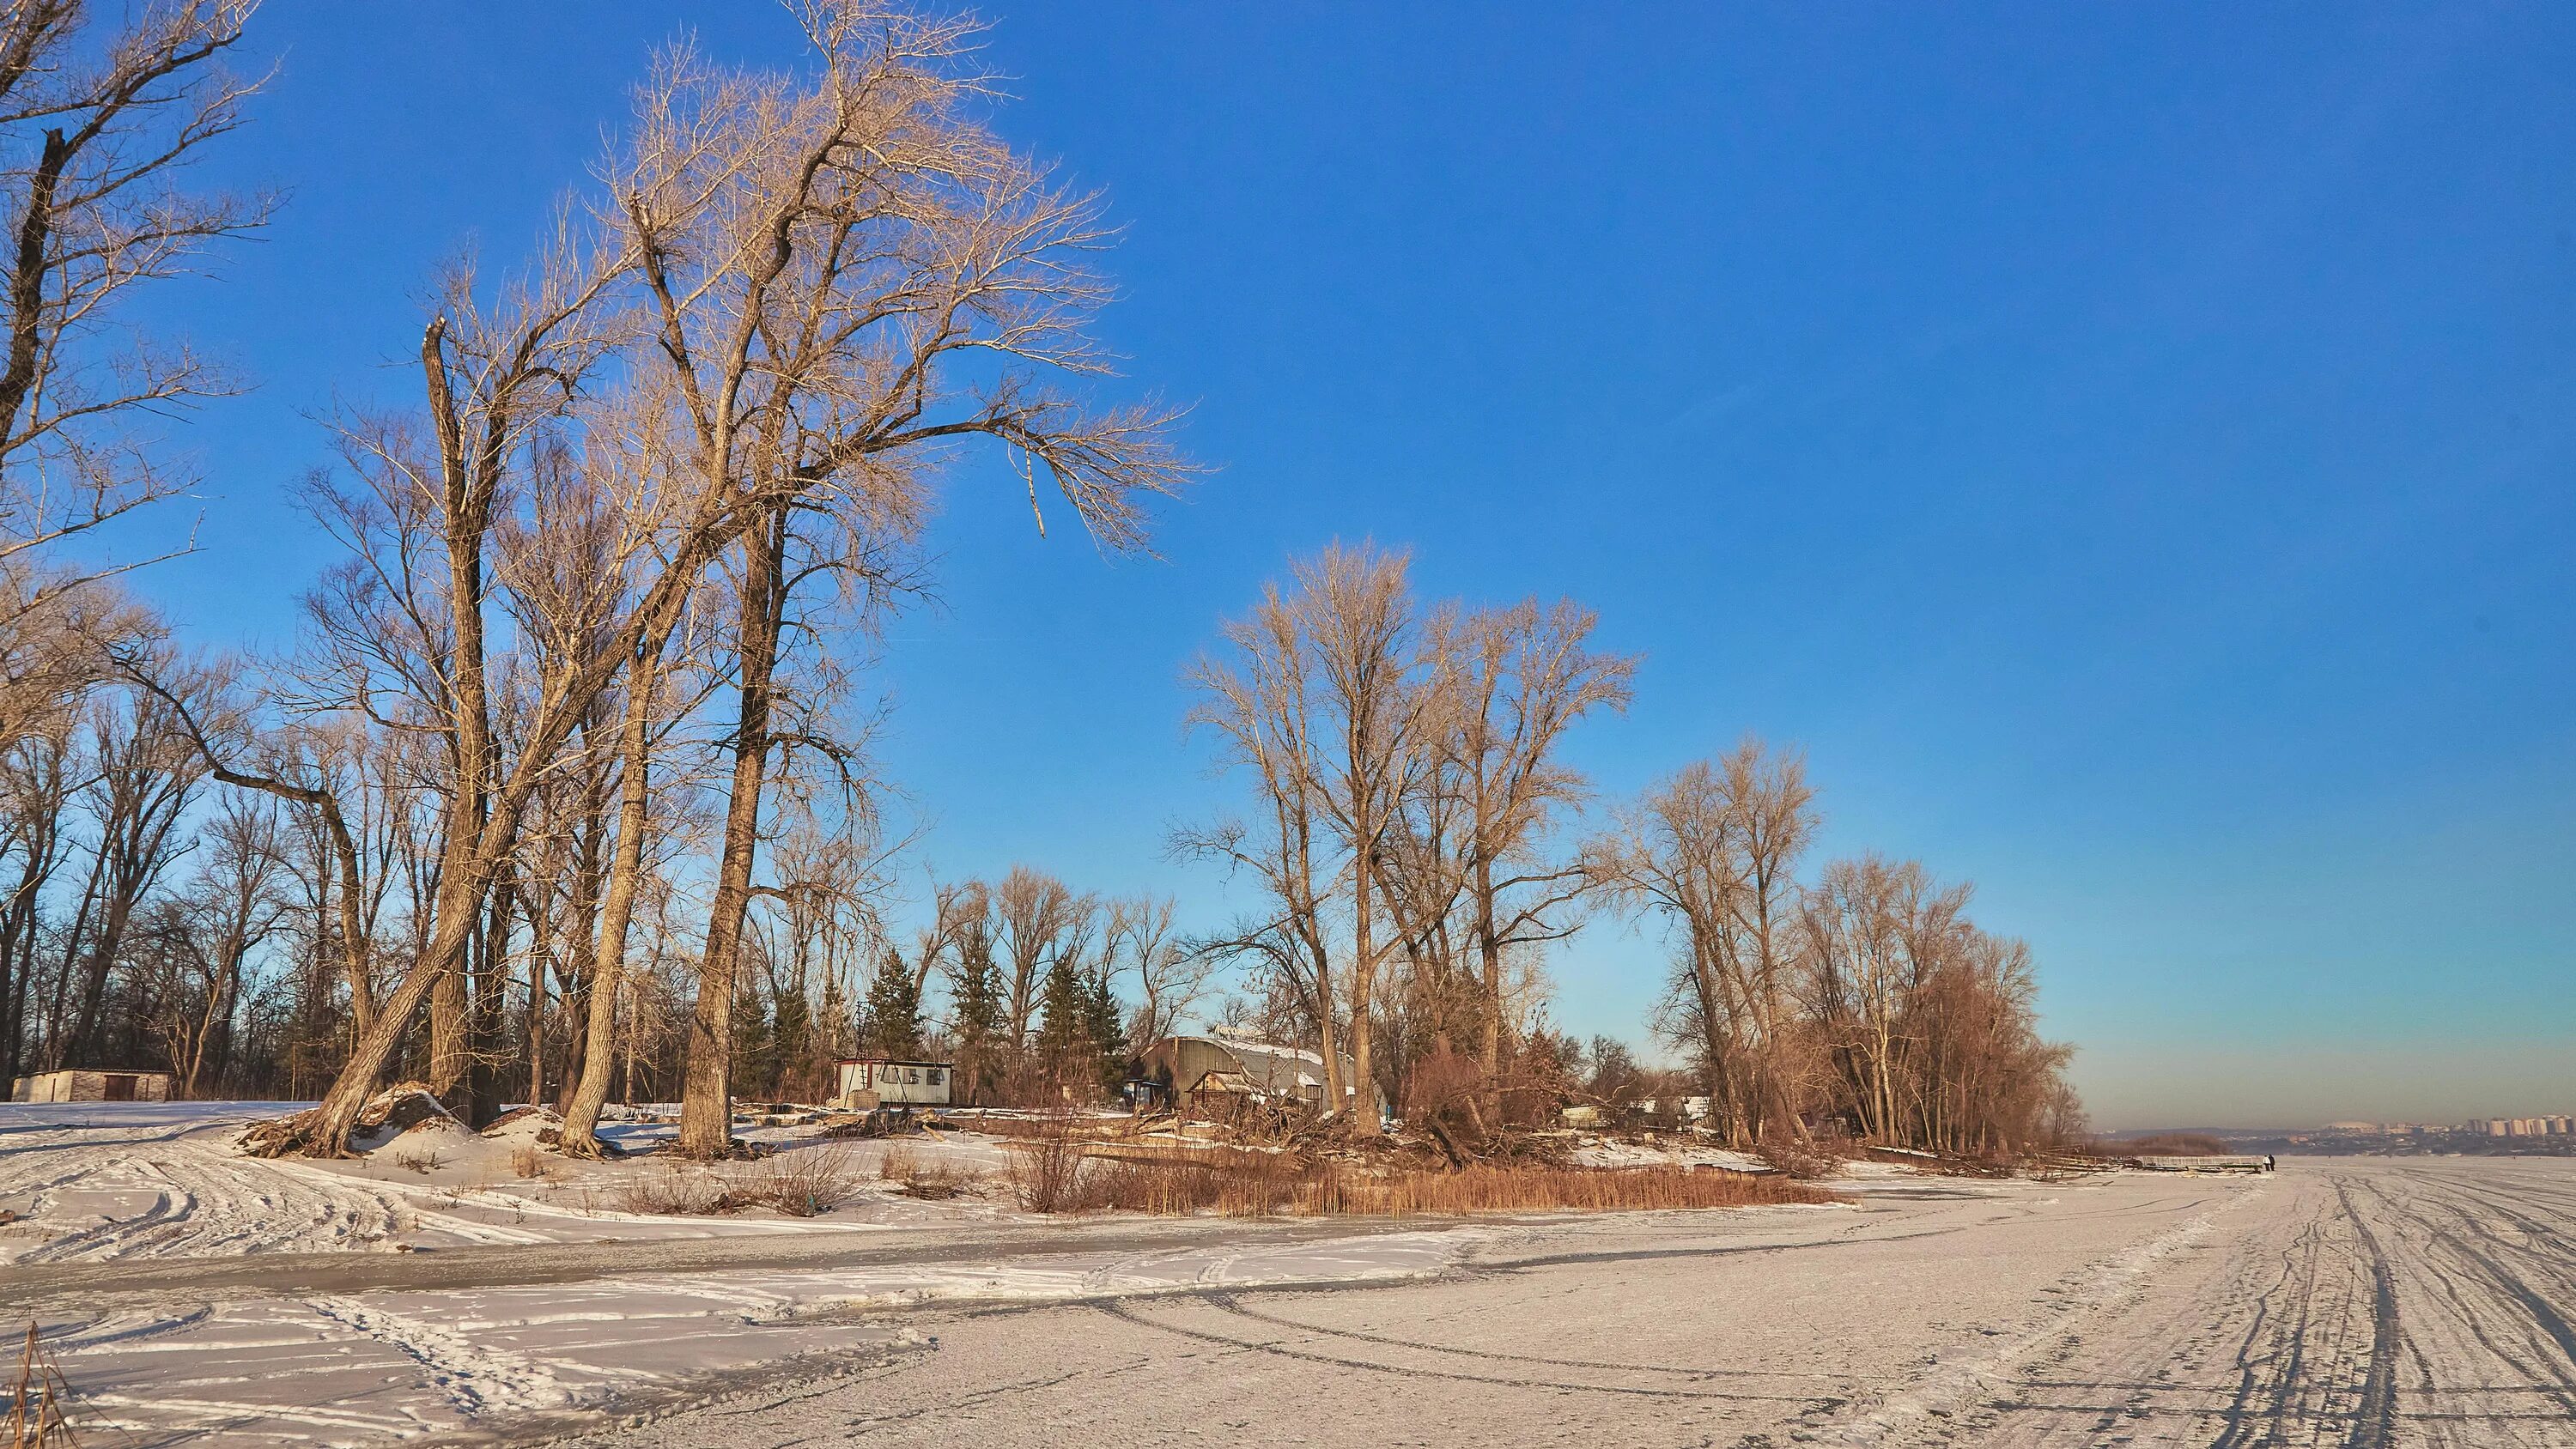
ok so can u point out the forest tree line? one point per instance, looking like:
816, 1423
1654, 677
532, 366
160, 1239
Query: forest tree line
1422, 846
565, 790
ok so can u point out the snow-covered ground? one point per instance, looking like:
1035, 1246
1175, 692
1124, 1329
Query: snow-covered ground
93, 1181
1667, 1152
193, 1295
2379, 1303
359, 1368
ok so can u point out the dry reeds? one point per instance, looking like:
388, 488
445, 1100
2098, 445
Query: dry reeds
1233, 1182
1590, 1189
34, 1417
802, 1184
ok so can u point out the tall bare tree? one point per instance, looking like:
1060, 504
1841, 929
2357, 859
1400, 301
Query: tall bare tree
1523, 676
1713, 849
100, 120
1260, 699
1170, 977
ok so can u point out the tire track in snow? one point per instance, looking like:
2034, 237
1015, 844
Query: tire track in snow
1284, 1348
2374, 1423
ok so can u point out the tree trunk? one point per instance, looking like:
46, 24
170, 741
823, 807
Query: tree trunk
324, 1130
1364, 1114
706, 1095
448, 1057
608, 952
491, 996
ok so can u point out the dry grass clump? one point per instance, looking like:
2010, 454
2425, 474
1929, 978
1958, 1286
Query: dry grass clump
1233, 1182
802, 1184
1046, 1169
33, 1416
929, 1181
673, 1189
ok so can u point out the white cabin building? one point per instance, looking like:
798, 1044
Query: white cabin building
871, 1082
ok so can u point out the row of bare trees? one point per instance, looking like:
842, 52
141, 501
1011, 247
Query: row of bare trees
1409, 785
1860, 998
602, 589
1416, 839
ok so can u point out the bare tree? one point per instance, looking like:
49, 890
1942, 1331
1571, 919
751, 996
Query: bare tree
1522, 676
1261, 704
1356, 615
39, 773
1034, 917
234, 905
101, 120
820, 255
145, 778
1170, 977
1713, 848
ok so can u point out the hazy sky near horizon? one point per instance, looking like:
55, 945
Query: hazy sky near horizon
2128, 448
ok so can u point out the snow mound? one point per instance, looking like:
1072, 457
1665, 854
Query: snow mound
396, 1112
429, 1143
540, 1125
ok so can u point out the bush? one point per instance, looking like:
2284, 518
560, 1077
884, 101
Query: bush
670, 1188
1044, 1168
802, 1183
931, 1182
1803, 1163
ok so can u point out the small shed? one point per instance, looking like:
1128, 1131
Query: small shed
88, 1085
890, 1083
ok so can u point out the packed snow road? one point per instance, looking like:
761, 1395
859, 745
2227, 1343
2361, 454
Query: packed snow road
2359, 1303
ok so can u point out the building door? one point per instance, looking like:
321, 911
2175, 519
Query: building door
120, 1086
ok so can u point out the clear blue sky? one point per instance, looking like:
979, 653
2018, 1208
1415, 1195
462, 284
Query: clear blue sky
2129, 447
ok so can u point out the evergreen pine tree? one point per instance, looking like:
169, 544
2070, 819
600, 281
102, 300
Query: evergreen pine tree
975, 1018
1108, 1036
893, 1021
1066, 1048
755, 1045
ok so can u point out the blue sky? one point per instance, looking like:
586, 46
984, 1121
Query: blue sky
2128, 448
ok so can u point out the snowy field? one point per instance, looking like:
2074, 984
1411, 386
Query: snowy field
196, 1296
2370, 1303
90, 1181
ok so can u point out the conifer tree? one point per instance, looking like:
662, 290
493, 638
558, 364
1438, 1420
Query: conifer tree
893, 1023
975, 1018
